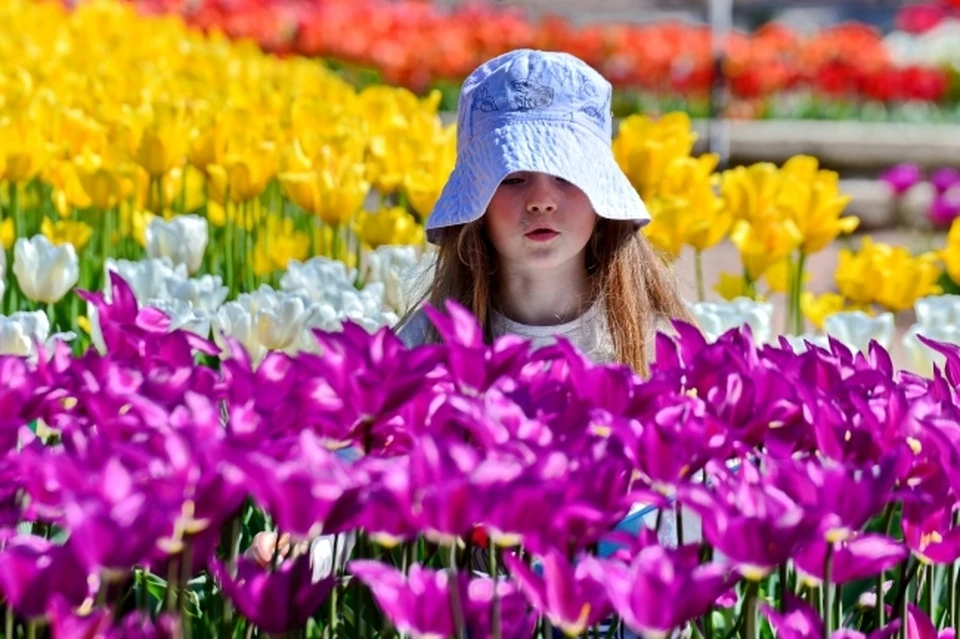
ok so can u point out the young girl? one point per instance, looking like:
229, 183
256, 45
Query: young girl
537, 227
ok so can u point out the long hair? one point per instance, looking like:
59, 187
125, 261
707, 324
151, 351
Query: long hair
626, 274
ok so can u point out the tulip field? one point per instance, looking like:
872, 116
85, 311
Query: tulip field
207, 243
847, 71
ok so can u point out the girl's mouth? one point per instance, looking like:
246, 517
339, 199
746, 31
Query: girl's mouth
542, 235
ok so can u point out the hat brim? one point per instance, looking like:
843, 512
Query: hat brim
566, 150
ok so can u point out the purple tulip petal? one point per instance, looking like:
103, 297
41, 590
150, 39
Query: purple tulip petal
902, 177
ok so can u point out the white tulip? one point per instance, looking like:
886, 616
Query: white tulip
150, 278
45, 271
922, 357
716, 318
855, 329
263, 321
21, 332
938, 310
396, 268
205, 294
183, 239
317, 277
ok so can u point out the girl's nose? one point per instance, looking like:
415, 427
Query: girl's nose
542, 195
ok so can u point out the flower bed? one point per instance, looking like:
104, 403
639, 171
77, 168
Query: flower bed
137, 479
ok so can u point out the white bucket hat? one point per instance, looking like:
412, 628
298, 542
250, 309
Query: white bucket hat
536, 111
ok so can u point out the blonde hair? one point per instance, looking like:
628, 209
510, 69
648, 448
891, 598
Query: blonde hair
627, 276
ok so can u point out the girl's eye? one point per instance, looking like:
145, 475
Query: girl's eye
512, 181
562, 181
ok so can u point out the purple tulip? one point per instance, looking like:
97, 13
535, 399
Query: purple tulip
847, 497
421, 603
661, 588
800, 621
139, 624
363, 379
66, 624
34, 571
278, 601
754, 524
672, 443
945, 178
902, 177
945, 207
474, 365
418, 604
919, 625
516, 617
569, 596
301, 491
118, 521
930, 534
132, 334
855, 558
443, 501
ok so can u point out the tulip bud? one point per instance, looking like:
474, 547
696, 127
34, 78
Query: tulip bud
45, 272
183, 239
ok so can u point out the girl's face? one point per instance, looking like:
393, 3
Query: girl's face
539, 221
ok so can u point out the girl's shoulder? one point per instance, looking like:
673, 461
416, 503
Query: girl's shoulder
413, 332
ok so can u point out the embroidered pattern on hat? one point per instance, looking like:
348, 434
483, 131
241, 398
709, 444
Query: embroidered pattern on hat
484, 101
595, 113
528, 95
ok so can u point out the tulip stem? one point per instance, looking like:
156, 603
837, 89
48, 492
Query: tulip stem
32, 630
828, 594
678, 517
170, 599
698, 273
750, 611
495, 603
8, 626
784, 587
455, 591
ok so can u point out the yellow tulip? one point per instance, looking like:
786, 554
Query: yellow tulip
951, 253
887, 275
24, 149
750, 192
686, 209
277, 245
66, 232
333, 190
764, 244
68, 190
163, 142
730, 287
816, 308
133, 222
8, 233
102, 186
812, 199
242, 177
644, 148
856, 273
906, 279
390, 226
